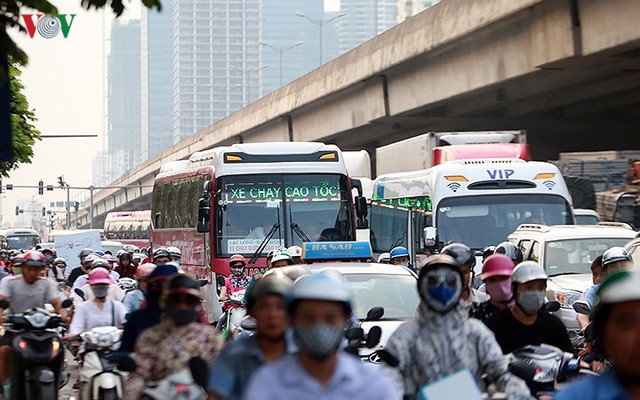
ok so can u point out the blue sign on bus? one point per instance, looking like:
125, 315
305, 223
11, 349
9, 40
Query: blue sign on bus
336, 250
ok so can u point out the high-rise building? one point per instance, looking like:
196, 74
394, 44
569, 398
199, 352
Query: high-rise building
409, 8
364, 20
123, 112
156, 60
291, 36
216, 61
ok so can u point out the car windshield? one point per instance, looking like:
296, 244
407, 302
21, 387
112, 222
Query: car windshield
480, 221
575, 256
313, 206
397, 294
389, 218
22, 242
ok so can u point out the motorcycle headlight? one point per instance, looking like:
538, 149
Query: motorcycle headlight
566, 298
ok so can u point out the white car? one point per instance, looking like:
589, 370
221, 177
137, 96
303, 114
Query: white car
566, 252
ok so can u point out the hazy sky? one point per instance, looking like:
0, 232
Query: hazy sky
65, 84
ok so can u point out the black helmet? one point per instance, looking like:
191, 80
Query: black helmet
182, 284
124, 256
161, 252
433, 262
510, 250
85, 252
270, 284
461, 253
489, 250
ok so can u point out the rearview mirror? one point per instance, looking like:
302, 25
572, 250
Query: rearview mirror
202, 282
551, 306
373, 337
430, 236
582, 307
66, 303
204, 214
249, 323
375, 314
354, 334
220, 280
80, 293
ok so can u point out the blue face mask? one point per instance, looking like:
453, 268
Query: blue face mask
440, 289
48, 257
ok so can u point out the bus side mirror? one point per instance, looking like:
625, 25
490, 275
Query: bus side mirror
430, 236
361, 212
204, 214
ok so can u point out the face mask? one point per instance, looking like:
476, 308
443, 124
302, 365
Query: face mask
100, 291
440, 289
531, 300
48, 257
237, 271
181, 316
500, 293
405, 264
319, 340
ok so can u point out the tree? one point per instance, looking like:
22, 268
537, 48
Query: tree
24, 134
10, 18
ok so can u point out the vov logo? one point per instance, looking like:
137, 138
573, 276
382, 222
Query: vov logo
48, 26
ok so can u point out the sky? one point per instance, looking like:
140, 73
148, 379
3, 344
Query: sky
65, 84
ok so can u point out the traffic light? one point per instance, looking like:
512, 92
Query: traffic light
40, 187
44, 212
17, 210
76, 206
61, 181
0, 185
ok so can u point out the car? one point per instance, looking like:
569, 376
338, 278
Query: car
566, 252
633, 247
585, 216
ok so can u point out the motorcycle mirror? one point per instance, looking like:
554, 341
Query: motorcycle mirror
127, 364
220, 280
375, 314
199, 371
551, 306
4, 304
373, 337
66, 303
523, 370
202, 282
80, 293
354, 334
582, 307
248, 323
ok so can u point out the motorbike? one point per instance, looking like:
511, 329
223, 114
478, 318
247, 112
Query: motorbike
127, 284
37, 354
99, 377
235, 314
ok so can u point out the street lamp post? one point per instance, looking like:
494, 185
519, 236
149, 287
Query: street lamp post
281, 51
248, 71
320, 23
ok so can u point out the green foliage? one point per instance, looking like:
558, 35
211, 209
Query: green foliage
24, 134
10, 11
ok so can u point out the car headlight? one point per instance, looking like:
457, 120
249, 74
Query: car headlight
566, 298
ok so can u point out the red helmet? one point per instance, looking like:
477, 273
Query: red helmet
237, 258
497, 265
33, 259
144, 270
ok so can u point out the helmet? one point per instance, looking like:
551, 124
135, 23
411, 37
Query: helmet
48, 250
619, 287
497, 265
399, 252
461, 253
60, 261
90, 259
269, 284
295, 251
128, 248
182, 284
487, 251
119, 253
33, 259
100, 263
292, 272
434, 262
283, 255
615, 254
439, 260
162, 272
510, 250
144, 270
271, 253
384, 258
17, 260
174, 252
110, 259
528, 271
161, 252
238, 258
123, 255
85, 252
99, 276
99, 253
325, 285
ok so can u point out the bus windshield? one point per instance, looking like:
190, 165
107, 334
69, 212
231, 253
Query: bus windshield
480, 221
298, 207
22, 242
389, 219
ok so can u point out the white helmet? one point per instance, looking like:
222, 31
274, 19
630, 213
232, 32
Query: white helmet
174, 252
384, 258
283, 255
528, 271
325, 285
295, 251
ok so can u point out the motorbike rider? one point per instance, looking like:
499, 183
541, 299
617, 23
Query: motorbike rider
510, 250
466, 259
166, 348
175, 254
442, 340
96, 262
150, 313
4, 260
16, 269
319, 306
79, 270
236, 282
126, 265
134, 298
400, 256
295, 252
161, 256
613, 260
616, 319
25, 291
60, 264
496, 274
384, 258
230, 373
526, 323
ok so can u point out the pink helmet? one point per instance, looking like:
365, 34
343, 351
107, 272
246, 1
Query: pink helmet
497, 265
99, 276
144, 270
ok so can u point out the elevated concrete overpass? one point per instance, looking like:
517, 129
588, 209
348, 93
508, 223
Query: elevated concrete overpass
567, 71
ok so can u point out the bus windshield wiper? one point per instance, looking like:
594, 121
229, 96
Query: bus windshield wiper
296, 228
264, 242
